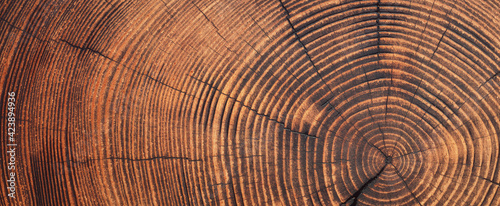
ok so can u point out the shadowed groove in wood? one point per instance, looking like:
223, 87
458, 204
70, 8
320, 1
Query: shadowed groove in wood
277, 102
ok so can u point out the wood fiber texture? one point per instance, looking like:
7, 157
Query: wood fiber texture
262, 102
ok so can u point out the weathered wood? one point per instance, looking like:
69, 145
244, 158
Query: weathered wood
330, 102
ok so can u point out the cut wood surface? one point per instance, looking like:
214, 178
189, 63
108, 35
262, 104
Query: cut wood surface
275, 102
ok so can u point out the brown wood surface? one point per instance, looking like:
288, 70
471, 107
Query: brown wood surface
275, 102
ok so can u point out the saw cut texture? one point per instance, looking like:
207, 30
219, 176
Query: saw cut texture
275, 102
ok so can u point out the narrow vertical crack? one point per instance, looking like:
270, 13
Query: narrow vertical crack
306, 51
368, 80
392, 68
378, 67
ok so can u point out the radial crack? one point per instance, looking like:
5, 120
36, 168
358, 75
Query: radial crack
355, 196
433, 53
26, 32
313, 64
488, 180
254, 110
489, 79
378, 67
406, 185
305, 49
208, 19
87, 49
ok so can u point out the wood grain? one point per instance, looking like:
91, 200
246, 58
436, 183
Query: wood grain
276, 102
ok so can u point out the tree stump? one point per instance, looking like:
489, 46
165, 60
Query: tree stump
328, 102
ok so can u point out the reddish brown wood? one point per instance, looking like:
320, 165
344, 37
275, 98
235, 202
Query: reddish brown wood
329, 102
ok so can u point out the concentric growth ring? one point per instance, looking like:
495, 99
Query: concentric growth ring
277, 102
